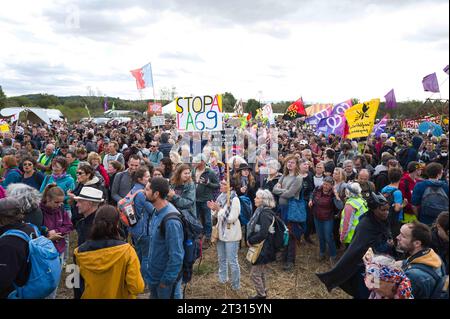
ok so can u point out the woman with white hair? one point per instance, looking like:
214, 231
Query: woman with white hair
260, 229
355, 206
29, 199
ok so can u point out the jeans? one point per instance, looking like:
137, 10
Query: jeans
228, 255
204, 213
142, 246
324, 229
166, 293
309, 223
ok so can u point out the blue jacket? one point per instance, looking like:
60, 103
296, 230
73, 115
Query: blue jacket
186, 200
65, 183
165, 257
422, 283
13, 175
413, 152
144, 211
155, 158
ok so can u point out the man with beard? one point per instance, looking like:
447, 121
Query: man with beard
166, 253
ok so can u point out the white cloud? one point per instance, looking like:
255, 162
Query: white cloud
325, 51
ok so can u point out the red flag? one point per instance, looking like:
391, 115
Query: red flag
346, 129
249, 116
300, 107
137, 74
295, 110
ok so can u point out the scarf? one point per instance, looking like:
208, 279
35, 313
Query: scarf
252, 222
396, 276
222, 201
60, 176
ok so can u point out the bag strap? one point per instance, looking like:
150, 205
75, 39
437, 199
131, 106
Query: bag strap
171, 215
17, 233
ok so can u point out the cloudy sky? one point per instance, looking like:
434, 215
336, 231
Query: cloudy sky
323, 50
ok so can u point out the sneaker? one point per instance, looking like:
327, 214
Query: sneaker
288, 266
257, 297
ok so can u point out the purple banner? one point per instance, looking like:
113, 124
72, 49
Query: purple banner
340, 108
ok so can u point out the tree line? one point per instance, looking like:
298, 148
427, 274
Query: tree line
74, 107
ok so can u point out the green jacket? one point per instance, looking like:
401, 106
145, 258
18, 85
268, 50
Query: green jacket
72, 170
205, 192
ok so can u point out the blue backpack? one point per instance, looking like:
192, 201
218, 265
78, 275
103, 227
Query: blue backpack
246, 210
45, 267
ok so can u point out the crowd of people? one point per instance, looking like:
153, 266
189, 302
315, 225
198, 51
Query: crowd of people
378, 206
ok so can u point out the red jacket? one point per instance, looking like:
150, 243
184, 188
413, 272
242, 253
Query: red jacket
406, 186
104, 174
323, 204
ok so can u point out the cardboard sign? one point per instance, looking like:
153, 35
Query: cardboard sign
158, 120
154, 107
199, 113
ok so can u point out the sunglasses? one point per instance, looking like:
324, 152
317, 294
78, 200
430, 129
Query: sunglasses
27, 164
80, 173
152, 145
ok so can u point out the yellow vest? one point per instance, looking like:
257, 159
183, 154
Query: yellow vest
361, 208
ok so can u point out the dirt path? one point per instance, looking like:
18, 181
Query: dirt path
298, 284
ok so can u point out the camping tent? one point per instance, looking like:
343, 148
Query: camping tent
33, 114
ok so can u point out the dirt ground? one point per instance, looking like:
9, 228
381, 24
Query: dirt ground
301, 283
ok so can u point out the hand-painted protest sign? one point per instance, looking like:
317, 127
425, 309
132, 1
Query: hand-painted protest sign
268, 113
158, 120
199, 113
154, 107
361, 118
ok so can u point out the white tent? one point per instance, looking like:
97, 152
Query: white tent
169, 108
34, 114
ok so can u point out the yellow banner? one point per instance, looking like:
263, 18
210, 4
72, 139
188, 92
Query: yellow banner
4, 127
361, 118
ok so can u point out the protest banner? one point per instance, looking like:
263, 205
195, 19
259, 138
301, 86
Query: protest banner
158, 120
154, 108
361, 118
199, 113
268, 113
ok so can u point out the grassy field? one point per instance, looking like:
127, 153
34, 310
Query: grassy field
301, 283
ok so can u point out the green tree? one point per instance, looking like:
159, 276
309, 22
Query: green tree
2, 98
251, 106
228, 102
46, 100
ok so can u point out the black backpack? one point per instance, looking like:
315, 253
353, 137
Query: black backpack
281, 234
393, 216
402, 157
192, 242
440, 290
